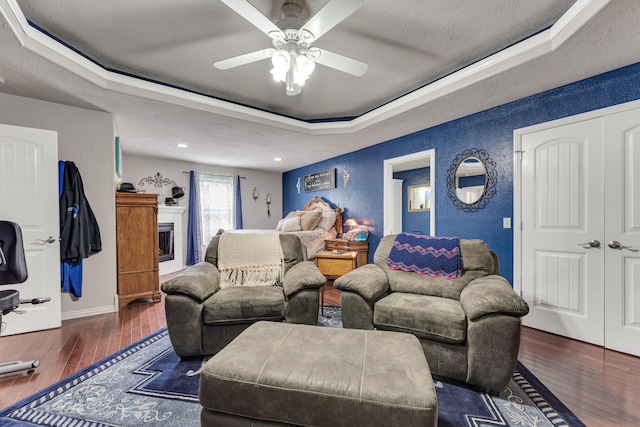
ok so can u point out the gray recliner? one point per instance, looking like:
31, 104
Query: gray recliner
469, 327
202, 318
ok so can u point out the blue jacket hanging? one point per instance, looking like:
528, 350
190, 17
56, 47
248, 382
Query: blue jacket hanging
79, 231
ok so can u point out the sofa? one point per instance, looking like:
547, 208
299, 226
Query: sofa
202, 318
469, 327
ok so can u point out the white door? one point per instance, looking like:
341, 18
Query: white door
622, 245
29, 189
562, 212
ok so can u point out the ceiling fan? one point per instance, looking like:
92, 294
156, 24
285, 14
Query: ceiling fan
292, 56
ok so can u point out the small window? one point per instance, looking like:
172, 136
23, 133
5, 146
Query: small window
217, 204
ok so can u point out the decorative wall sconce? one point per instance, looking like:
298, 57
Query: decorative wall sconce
268, 200
254, 194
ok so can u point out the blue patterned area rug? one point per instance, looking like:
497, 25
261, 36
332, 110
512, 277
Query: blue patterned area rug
147, 384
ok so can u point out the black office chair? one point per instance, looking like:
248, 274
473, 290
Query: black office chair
13, 270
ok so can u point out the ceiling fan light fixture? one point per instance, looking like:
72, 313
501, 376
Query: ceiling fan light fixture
281, 59
279, 74
292, 56
305, 66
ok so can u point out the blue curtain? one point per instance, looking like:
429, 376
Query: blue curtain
238, 204
193, 228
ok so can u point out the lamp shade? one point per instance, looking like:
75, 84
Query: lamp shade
351, 222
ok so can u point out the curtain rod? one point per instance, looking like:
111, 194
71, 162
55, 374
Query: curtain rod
218, 174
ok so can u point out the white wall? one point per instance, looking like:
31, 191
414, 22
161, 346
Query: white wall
254, 213
85, 137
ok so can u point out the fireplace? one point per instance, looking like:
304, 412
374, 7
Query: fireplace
165, 241
172, 215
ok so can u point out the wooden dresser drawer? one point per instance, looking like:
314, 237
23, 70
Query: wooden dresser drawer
339, 245
345, 245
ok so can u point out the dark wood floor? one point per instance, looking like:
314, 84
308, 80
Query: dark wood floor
601, 387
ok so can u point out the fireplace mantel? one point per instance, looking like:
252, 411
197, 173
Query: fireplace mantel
173, 214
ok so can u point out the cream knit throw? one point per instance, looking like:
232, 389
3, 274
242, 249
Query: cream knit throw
250, 259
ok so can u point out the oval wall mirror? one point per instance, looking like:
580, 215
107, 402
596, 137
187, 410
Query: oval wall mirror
471, 180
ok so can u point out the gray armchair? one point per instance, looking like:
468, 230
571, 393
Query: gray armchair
469, 327
202, 318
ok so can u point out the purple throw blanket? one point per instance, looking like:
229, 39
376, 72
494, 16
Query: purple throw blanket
435, 256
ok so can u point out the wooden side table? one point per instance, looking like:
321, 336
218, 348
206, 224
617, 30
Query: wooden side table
333, 265
362, 249
341, 257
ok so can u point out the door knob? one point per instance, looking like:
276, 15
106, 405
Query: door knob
614, 244
50, 239
591, 243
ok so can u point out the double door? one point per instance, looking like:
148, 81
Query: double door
579, 257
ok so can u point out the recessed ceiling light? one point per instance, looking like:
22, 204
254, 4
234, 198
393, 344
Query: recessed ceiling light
181, 145
1, 80
277, 159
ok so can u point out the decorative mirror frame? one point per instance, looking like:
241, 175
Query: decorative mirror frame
490, 186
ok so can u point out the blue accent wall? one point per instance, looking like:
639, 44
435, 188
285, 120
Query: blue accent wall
491, 130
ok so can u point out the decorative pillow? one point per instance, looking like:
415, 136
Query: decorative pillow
294, 214
310, 220
327, 221
291, 224
279, 226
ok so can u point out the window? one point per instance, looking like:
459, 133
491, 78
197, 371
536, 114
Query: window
217, 204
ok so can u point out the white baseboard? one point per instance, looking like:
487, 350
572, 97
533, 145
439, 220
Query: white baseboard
77, 314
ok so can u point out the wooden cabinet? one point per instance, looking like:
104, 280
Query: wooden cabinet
137, 244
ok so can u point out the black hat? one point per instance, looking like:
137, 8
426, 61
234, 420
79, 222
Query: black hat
127, 187
169, 201
177, 192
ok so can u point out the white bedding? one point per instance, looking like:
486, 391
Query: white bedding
313, 240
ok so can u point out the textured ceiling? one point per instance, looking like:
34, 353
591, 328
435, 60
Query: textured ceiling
407, 44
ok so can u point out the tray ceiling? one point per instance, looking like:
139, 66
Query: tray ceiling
149, 62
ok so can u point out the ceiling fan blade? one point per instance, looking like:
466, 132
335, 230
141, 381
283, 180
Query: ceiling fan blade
251, 14
339, 62
329, 16
247, 58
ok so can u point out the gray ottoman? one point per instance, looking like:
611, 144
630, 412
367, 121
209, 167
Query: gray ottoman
276, 374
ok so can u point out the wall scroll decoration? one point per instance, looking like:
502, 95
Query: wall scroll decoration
322, 180
471, 180
157, 181
345, 176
